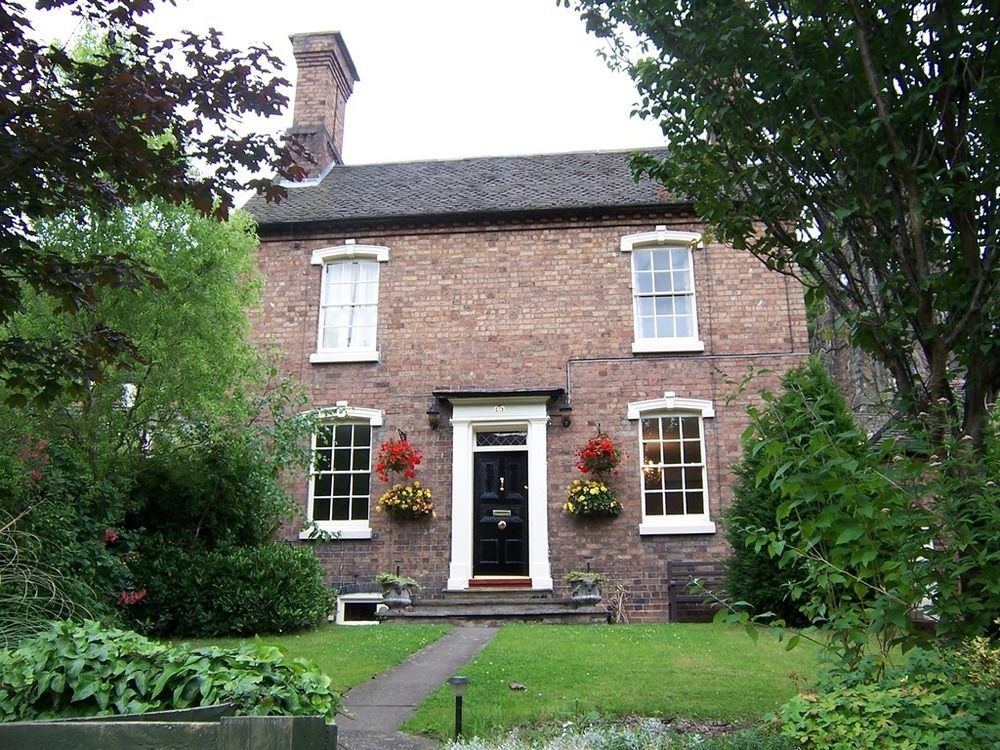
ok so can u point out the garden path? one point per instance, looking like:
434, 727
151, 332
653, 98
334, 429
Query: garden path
377, 708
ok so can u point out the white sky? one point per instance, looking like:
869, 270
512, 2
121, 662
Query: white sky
442, 79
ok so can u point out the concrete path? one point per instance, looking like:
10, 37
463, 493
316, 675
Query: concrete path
380, 706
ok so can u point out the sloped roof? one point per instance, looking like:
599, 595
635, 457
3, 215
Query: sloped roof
492, 186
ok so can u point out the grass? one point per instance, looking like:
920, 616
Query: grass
692, 671
351, 655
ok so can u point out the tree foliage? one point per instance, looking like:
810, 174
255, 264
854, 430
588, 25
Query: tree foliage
134, 119
872, 537
184, 451
854, 145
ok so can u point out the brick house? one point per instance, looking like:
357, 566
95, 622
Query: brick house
499, 311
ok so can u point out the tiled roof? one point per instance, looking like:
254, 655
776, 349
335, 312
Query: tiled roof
441, 189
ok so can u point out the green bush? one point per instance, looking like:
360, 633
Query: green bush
270, 588
86, 670
753, 575
936, 701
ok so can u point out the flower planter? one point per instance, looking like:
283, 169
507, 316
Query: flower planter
586, 592
396, 596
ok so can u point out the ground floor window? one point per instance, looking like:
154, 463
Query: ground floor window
674, 476
340, 472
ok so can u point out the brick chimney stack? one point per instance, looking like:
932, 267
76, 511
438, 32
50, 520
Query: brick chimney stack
325, 79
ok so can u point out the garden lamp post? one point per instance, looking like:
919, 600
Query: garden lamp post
459, 685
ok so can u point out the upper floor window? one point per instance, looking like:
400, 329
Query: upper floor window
663, 294
675, 498
348, 309
340, 474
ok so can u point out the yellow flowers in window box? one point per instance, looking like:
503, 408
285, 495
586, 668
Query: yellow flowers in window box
591, 497
406, 501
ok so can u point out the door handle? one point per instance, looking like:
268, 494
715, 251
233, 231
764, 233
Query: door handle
502, 525
501, 484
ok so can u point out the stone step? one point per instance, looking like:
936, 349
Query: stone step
461, 607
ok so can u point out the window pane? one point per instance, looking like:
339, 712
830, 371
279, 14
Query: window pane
341, 485
341, 508
359, 509
672, 453
322, 461
651, 454
363, 435
664, 305
671, 428
650, 429
642, 260
692, 451
679, 257
653, 478
360, 462
342, 459
690, 427
363, 338
324, 437
342, 435
684, 326
695, 502
661, 260
661, 283
644, 283
646, 306
682, 281
321, 509
654, 504
675, 503
672, 479
322, 484
361, 484
647, 328
334, 338
693, 478
665, 327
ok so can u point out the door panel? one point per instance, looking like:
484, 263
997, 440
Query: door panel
500, 537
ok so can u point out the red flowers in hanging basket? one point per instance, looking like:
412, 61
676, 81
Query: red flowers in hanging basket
599, 456
399, 456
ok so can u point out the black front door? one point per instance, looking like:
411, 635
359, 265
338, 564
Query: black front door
500, 538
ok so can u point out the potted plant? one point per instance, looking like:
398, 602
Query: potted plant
403, 499
585, 586
593, 497
397, 590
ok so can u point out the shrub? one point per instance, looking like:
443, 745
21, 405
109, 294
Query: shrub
754, 576
935, 700
86, 670
270, 588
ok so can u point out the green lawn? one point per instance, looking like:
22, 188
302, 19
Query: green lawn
352, 654
695, 671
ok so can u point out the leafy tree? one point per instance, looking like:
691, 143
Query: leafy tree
122, 124
185, 450
853, 145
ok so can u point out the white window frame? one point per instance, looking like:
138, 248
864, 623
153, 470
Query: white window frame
326, 257
662, 237
672, 406
360, 529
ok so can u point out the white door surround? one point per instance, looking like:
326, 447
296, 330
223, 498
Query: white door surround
476, 414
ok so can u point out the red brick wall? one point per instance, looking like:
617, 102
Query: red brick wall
504, 306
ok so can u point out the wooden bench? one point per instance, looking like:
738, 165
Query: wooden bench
688, 602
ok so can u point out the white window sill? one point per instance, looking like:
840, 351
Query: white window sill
650, 528
317, 358
341, 531
644, 346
